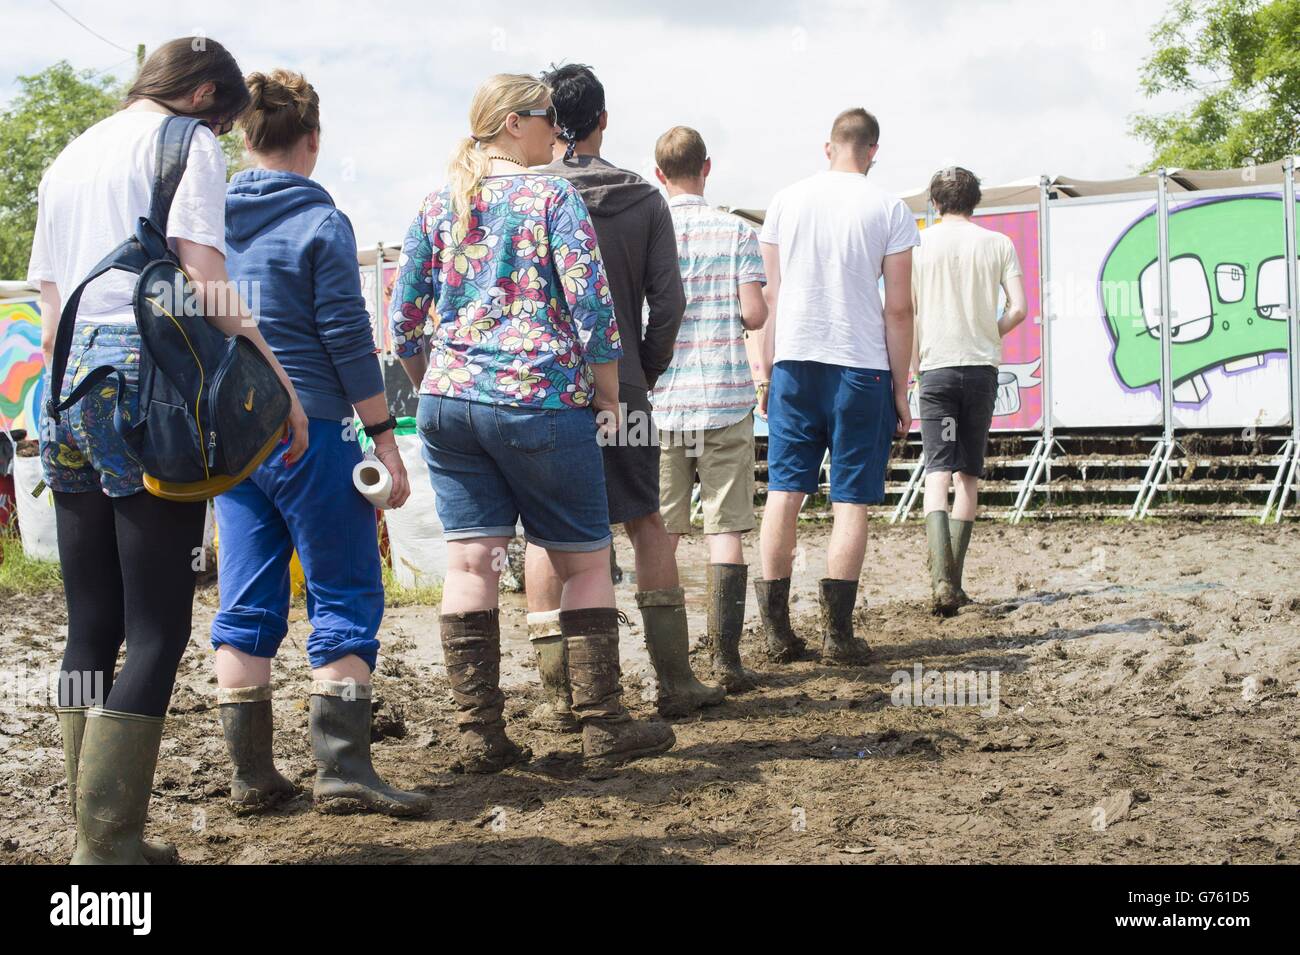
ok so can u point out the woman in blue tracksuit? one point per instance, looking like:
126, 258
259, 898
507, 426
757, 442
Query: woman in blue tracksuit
295, 258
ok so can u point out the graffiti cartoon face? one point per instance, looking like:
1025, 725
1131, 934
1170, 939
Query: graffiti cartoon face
1227, 291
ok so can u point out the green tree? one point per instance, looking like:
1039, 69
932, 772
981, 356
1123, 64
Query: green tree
53, 107
1239, 61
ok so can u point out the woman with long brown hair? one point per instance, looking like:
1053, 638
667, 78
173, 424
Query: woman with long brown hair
128, 557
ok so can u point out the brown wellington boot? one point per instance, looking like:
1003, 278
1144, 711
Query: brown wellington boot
556, 714
255, 785
961, 531
471, 647
939, 538
609, 734
774, 610
726, 622
663, 613
838, 643
72, 724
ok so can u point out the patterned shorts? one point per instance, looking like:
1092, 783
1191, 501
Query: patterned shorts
83, 451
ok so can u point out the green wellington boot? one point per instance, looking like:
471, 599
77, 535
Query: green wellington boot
113, 778
774, 611
471, 649
663, 613
726, 622
961, 531
255, 784
839, 645
556, 714
939, 538
609, 734
346, 780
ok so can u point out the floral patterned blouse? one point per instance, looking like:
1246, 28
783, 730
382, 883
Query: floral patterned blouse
516, 292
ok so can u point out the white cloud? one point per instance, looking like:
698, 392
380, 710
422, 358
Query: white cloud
1010, 89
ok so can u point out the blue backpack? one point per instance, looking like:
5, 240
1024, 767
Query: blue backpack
211, 407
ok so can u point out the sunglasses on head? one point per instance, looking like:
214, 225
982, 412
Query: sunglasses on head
548, 112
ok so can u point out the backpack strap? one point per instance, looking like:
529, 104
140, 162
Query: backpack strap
169, 165
132, 255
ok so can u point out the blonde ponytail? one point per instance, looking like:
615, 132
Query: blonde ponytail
495, 100
469, 164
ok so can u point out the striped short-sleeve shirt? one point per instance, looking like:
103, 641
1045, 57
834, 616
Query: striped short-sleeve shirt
708, 384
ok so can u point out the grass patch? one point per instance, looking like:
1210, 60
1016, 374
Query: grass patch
21, 575
398, 595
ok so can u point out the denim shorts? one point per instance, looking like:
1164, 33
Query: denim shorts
814, 408
493, 466
84, 452
956, 410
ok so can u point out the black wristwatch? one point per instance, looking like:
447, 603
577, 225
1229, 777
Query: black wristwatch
371, 430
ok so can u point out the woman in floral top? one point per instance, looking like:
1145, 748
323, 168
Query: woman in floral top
523, 348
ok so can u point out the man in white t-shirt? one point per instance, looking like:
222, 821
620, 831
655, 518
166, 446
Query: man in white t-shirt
958, 275
836, 360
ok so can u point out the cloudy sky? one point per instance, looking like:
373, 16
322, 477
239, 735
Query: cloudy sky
1009, 88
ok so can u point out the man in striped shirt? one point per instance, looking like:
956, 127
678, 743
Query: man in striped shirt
704, 402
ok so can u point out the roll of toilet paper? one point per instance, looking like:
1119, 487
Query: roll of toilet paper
372, 481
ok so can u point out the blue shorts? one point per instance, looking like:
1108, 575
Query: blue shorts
814, 408
84, 452
312, 506
493, 466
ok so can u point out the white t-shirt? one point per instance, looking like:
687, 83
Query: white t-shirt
956, 277
93, 195
834, 230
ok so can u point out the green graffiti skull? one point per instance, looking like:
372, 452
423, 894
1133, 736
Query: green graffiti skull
1227, 291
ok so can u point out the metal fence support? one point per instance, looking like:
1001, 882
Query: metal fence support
1041, 455
915, 481
1164, 449
1291, 450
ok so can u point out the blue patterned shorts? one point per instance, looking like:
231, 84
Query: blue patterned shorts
83, 451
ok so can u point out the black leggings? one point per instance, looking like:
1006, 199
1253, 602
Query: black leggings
128, 574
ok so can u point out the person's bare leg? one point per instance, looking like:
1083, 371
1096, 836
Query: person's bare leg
656, 564
777, 536
965, 498
350, 668
936, 490
725, 548
473, 574
542, 584
848, 543
583, 577
236, 669
676, 539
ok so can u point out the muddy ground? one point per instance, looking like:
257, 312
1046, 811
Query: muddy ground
1147, 711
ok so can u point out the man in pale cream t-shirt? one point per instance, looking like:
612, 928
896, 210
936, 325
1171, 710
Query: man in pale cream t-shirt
958, 274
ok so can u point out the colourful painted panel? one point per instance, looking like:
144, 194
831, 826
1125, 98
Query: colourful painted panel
21, 363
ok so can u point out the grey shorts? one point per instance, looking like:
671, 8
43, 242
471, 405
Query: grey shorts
632, 460
956, 411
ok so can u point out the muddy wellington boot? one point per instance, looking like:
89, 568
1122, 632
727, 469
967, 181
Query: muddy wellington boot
726, 622
471, 649
774, 611
609, 734
346, 780
667, 640
939, 538
961, 531
115, 767
837, 598
556, 714
255, 784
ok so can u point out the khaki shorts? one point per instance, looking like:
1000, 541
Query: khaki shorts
724, 460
